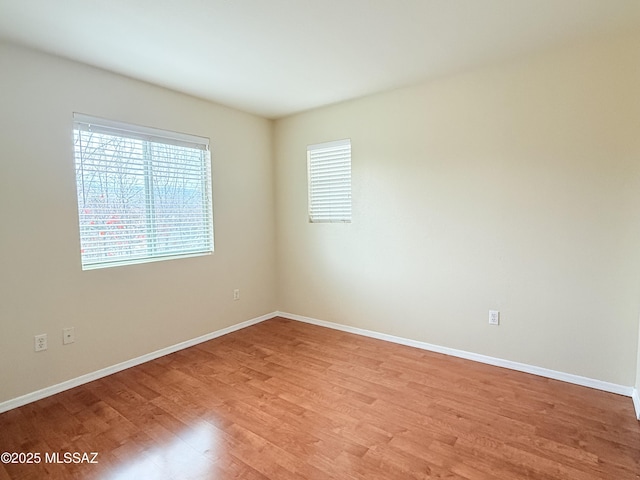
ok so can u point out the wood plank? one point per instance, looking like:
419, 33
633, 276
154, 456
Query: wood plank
287, 400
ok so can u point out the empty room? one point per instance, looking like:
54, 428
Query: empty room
305, 239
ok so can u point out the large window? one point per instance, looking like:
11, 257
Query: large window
329, 170
143, 194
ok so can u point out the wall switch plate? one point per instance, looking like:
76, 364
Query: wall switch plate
68, 335
40, 342
494, 317
236, 294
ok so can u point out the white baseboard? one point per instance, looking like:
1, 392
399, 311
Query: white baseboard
521, 367
89, 377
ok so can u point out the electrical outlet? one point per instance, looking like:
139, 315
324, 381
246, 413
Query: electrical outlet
68, 335
236, 294
40, 342
494, 317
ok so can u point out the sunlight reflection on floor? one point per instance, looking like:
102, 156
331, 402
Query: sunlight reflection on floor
192, 453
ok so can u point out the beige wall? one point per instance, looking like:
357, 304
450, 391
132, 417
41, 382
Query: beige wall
514, 187
638, 371
118, 313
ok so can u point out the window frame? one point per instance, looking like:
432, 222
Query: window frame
331, 203
180, 150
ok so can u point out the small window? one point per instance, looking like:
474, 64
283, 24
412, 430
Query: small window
329, 170
143, 194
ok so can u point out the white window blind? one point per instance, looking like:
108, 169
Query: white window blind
329, 170
143, 194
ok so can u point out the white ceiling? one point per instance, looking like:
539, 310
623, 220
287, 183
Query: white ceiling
277, 57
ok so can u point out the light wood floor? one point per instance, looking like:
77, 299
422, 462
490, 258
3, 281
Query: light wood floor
286, 400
